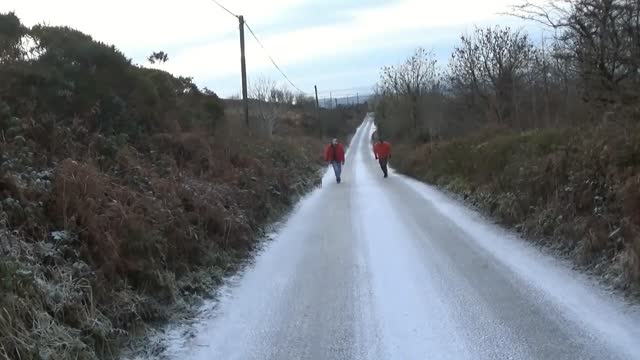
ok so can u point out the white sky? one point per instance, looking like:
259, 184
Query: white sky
311, 42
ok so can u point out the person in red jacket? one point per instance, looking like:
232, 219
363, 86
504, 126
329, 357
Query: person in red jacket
382, 152
334, 155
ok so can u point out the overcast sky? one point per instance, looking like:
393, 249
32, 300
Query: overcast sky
340, 45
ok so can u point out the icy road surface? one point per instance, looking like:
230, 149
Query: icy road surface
379, 268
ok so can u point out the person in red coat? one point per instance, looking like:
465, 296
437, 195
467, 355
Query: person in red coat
382, 152
334, 155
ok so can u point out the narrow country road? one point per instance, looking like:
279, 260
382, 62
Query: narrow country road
378, 268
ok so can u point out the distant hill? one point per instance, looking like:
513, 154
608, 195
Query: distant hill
349, 100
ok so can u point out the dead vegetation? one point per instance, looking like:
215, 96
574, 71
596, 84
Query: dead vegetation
104, 248
116, 236
575, 190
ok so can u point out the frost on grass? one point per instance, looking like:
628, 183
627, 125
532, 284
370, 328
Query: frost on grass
92, 255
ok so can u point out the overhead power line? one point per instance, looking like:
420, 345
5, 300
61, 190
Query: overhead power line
224, 8
271, 58
243, 67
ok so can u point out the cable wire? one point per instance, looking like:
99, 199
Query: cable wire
224, 8
270, 58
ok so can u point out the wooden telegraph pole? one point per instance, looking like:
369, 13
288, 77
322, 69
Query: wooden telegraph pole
319, 113
243, 66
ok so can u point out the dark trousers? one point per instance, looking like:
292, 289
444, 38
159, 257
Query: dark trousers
337, 169
383, 165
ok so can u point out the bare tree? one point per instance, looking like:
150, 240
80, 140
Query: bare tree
588, 68
265, 110
281, 95
490, 67
402, 86
270, 102
304, 101
601, 39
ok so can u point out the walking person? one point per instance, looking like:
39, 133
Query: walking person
382, 152
334, 155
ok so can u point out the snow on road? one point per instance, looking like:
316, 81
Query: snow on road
378, 268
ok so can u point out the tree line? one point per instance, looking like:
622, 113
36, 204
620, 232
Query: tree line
61, 74
498, 77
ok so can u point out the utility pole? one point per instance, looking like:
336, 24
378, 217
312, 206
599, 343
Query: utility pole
357, 99
317, 102
319, 113
336, 99
330, 100
243, 65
